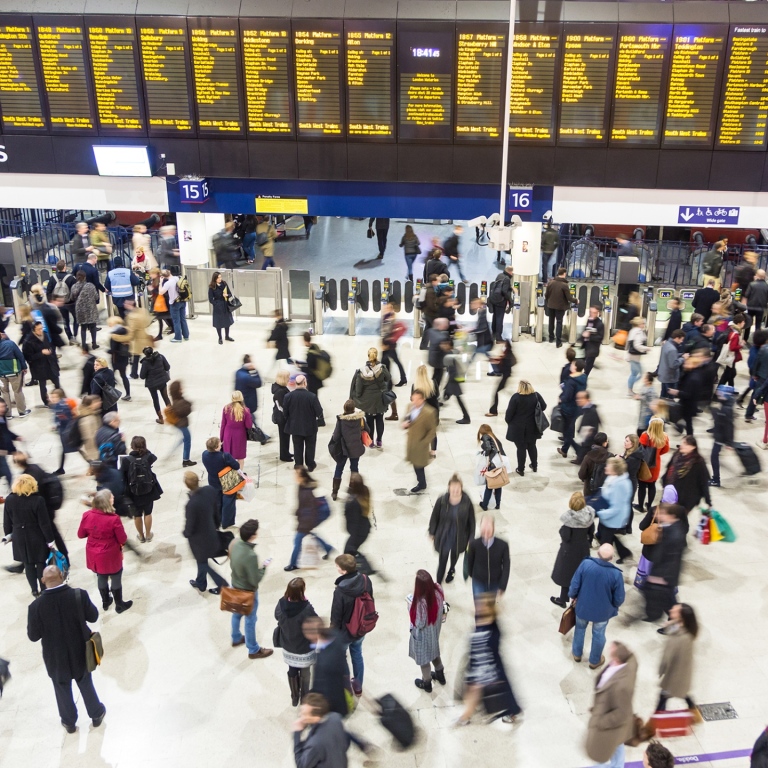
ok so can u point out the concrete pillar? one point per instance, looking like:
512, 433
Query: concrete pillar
526, 249
195, 232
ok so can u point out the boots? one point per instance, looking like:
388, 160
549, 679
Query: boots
439, 675
393, 416
336, 486
697, 718
106, 600
304, 676
120, 604
159, 419
294, 684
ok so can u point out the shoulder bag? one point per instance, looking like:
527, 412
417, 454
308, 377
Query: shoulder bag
238, 601
277, 638
233, 304
568, 619
109, 396
496, 477
644, 474
94, 649
231, 481
542, 422
652, 533
170, 415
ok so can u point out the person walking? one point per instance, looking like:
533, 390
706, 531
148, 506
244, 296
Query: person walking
438, 336
319, 738
266, 234
598, 589
177, 414
421, 424
557, 300
592, 468
660, 588
330, 673
391, 331
236, 420
491, 452
636, 348
109, 439
303, 417
85, 296
279, 391
347, 443
647, 397
569, 407
358, 513
58, 619
451, 250
576, 531
202, 516
655, 443
488, 560
705, 298
756, 298
426, 617
141, 486
411, 246
103, 385
317, 367
291, 612
522, 426
550, 241
670, 362
105, 536
63, 418
614, 506
451, 527
13, 366
369, 384
731, 351
279, 338
219, 295
712, 264
688, 473
155, 370
675, 322
158, 303
503, 365
307, 517
676, 667
592, 338
171, 287
118, 350
246, 575
143, 258
40, 355
137, 320
382, 230
456, 370
214, 461
88, 424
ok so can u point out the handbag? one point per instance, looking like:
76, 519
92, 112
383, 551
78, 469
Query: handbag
109, 396
170, 415
365, 436
388, 397
277, 639
231, 481
238, 601
255, 435
568, 619
644, 474
727, 355
496, 477
652, 533
233, 304
369, 233
225, 539
159, 304
557, 422
94, 648
542, 422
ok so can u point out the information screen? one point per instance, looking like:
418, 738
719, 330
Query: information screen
638, 95
165, 68
587, 83
267, 76
112, 45
480, 72
744, 105
216, 71
370, 59
535, 66
22, 110
425, 66
317, 57
694, 85
65, 77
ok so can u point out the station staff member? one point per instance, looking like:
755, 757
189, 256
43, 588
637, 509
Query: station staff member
121, 284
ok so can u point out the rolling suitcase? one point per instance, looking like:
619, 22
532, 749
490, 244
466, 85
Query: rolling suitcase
396, 720
748, 458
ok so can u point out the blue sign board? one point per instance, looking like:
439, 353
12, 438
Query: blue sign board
707, 214
530, 203
194, 191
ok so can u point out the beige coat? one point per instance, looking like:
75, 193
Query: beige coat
612, 721
137, 321
88, 423
676, 668
268, 249
421, 432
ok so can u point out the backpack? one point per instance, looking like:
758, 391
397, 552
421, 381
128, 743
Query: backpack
364, 615
323, 510
61, 562
183, 288
61, 290
141, 481
496, 295
323, 369
52, 492
107, 453
396, 719
598, 477
262, 238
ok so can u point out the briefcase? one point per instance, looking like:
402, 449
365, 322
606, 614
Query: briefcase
568, 619
237, 600
676, 722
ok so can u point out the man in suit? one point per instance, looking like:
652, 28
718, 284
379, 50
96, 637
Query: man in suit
330, 670
58, 618
303, 416
91, 271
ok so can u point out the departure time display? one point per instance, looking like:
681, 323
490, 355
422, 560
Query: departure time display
22, 109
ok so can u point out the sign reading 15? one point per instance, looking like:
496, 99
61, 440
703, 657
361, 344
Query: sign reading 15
194, 190
520, 199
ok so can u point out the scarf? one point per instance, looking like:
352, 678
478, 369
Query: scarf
682, 465
581, 518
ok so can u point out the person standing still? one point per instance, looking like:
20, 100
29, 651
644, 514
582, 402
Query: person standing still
303, 416
13, 366
550, 241
488, 560
557, 300
592, 338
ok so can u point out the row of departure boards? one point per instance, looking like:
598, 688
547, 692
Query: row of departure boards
585, 84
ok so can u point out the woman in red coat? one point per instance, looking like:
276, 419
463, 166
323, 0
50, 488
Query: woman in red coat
104, 549
655, 443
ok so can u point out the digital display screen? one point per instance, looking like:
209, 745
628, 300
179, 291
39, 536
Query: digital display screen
425, 64
65, 77
370, 60
535, 65
480, 74
112, 44
744, 105
122, 161
215, 47
694, 85
585, 88
22, 110
638, 93
267, 62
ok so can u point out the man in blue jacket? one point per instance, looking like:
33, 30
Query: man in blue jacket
90, 271
599, 587
576, 382
247, 382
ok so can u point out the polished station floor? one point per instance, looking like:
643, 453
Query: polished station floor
178, 694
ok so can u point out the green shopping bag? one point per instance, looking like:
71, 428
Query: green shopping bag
723, 526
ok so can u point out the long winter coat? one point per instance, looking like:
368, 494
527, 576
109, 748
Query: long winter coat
303, 413
358, 525
676, 668
290, 616
349, 431
155, 371
521, 417
28, 520
306, 514
368, 385
575, 533
42, 367
106, 536
203, 517
447, 536
424, 642
234, 434
104, 377
86, 298
222, 317
137, 321
421, 432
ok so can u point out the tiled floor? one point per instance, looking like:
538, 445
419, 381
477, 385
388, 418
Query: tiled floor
178, 694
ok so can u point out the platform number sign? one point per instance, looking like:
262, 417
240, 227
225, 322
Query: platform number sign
195, 191
520, 199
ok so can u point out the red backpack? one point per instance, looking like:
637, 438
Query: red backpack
364, 615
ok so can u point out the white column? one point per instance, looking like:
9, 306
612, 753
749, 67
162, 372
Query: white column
195, 231
526, 249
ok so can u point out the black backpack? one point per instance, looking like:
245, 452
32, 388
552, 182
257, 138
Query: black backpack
396, 719
52, 492
598, 477
496, 292
141, 480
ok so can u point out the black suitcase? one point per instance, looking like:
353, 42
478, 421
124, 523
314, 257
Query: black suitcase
396, 720
748, 457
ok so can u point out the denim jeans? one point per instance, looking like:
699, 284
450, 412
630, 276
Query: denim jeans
353, 467
548, 262
297, 546
186, 440
203, 571
179, 320
356, 654
715, 461
616, 761
665, 390
249, 245
457, 264
409, 259
635, 372
250, 627
598, 639
228, 510
480, 587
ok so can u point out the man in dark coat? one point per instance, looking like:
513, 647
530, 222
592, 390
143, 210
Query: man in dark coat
704, 298
592, 338
303, 416
40, 355
58, 619
451, 526
325, 743
451, 250
488, 560
592, 469
330, 670
589, 424
248, 381
756, 297
434, 265
667, 562
557, 300
382, 230
109, 439
675, 321
312, 364
214, 460
91, 271
500, 300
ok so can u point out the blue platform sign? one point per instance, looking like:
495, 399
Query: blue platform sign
707, 214
194, 191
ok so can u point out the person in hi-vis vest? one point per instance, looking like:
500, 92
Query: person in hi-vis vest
121, 284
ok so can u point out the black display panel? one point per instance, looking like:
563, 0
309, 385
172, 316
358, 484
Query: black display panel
317, 47
425, 56
267, 77
698, 52
22, 109
586, 83
66, 80
215, 46
642, 57
370, 71
744, 103
114, 61
481, 65
535, 68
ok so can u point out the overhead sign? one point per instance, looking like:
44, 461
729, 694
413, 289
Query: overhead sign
282, 205
693, 214
195, 191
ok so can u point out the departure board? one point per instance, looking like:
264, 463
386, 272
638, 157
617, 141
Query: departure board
317, 59
642, 56
22, 111
215, 44
267, 76
370, 70
165, 69
480, 74
744, 105
694, 85
535, 66
425, 65
65, 77
587, 80
112, 46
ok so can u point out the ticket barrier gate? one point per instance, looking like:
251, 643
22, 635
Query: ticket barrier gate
540, 314
352, 293
686, 299
318, 320
516, 311
650, 323
573, 316
416, 311
607, 313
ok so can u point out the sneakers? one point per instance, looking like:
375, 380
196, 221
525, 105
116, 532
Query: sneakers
262, 653
291, 568
449, 578
464, 421
175, 341
599, 663
24, 414
378, 444
150, 536
714, 483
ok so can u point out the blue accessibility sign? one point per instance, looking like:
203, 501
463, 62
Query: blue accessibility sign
695, 214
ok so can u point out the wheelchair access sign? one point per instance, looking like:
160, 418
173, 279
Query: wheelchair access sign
695, 214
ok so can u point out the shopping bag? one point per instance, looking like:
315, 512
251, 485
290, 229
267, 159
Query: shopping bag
557, 422
248, 491
722, 525
673, 723
714, 531
643, 571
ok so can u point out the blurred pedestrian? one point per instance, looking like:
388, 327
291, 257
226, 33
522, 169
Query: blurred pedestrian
202, 518
155, 370
306, 517
177, 414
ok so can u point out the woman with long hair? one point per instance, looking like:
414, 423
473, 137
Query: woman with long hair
219, 295
423, 382
236, 420
358, 512
491, 452
655, 443
688, 472
86, 301
177, 414
369, 384
141, 486
347, 443
155, 370
576, 531
522, 428
306, 517
411, 246
104, 549
633, 458
426, 614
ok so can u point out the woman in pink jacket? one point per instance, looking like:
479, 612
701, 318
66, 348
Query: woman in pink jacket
104, 548
236, 420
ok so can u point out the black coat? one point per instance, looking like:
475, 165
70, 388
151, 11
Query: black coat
649, 550
290, 616
594, 341
102, 378
348, 432
155, 370
434, 267
692, 488
203, 517
51, 317
668, 554
440, 524
574, 547
27, 518
87, 374
358, 525
118, 349
674, 323
222, 317
303, 413
41, 367
280, 336
54, 618
330, 675
278, 395
349, 586
703, 300
489, 565
521, 417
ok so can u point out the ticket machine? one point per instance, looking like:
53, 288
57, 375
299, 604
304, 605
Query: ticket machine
540, 312
607, 313
574, 315
516, 311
